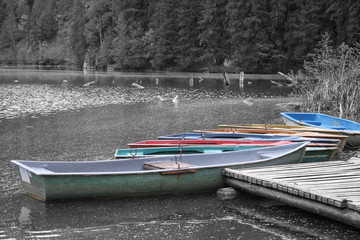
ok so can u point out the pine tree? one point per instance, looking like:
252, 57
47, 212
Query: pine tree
9, 33
213, 37
2, 11
345, 19
250, 28
353, 28
99, 23
165, 29
187, 45
77, 38
43, 22
138, 38
277, 32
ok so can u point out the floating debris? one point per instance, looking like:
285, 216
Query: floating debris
226, 79
89, 83
175, 99
249, 101
137, 86
36, 100
161, 98
276, 83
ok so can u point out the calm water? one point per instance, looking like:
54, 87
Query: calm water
254, 85
92, 133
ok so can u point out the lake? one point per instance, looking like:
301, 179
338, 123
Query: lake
43, 118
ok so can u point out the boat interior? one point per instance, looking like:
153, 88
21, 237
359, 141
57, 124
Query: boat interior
136, 165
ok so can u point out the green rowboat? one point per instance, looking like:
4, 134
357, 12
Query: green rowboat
312, 154
54, 180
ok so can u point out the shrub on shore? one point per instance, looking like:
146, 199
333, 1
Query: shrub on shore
330, 82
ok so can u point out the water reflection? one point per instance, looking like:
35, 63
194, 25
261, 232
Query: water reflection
254, 85
195, 216
24, 217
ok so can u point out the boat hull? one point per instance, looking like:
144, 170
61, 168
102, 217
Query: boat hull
280, 127
353, 140
319, 154
249, 137
145, 183
342, 138
312, 154
187, 142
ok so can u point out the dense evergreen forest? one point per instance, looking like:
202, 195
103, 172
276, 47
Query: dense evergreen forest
262, 36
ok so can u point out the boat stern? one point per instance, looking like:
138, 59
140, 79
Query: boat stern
33, 184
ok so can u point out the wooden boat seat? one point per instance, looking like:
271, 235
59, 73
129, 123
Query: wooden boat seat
171, 165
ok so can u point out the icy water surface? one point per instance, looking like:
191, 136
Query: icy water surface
83, 129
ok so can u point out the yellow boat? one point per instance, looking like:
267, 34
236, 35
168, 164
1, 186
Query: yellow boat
281, 127
308, 132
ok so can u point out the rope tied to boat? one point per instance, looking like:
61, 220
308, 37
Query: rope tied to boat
231, 129
203, 134
133, 154
181, 148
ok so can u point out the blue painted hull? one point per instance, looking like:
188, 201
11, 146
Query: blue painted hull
350, 128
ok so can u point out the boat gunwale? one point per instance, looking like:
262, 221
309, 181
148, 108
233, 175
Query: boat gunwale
20, 164
186, 147
295, 128
281, 132
350, 132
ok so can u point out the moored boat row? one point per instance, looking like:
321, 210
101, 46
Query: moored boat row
281, 132
154, 167
312, 154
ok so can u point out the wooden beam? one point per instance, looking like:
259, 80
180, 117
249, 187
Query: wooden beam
346, 216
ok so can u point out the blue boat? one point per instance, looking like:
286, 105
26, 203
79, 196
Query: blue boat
247, 137
347, 127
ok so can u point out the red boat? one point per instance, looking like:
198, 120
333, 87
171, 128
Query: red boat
175, 143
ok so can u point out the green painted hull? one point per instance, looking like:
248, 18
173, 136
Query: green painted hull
319, 154
312, 154
57, 187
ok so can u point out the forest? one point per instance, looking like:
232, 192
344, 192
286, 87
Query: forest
257, 36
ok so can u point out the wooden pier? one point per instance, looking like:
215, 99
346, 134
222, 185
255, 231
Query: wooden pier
330, 189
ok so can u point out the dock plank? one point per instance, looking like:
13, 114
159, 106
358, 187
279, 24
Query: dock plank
335, 183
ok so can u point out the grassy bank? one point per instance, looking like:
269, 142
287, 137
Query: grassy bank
331, 81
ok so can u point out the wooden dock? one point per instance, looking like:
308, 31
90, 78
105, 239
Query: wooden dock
330, 189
